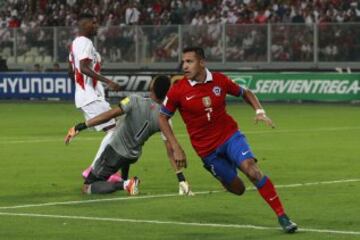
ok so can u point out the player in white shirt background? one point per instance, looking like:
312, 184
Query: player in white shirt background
84, 65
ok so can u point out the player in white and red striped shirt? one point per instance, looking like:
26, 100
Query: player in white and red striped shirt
89, 91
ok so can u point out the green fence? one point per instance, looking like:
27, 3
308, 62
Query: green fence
301, 86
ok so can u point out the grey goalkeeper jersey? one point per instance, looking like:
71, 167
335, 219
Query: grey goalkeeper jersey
140, 122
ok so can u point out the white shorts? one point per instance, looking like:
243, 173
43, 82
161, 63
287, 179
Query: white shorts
95, 108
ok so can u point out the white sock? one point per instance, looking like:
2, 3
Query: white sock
103, 144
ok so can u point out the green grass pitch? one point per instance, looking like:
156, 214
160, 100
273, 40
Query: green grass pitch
314, 154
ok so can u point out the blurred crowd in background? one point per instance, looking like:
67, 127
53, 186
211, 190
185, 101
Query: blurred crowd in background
31, 13
245, 37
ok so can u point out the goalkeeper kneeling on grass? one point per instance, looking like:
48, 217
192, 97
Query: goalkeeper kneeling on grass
140, 122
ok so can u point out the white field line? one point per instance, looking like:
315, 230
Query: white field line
166, 195
270, 131
47, 139
100, 200
193, 224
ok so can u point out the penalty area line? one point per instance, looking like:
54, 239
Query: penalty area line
192, 224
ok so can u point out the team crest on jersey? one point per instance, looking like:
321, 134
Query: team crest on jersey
217, 90
206, 101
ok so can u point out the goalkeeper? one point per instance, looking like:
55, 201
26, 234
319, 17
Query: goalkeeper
140, 122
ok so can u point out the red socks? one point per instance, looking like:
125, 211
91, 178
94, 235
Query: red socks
269, 194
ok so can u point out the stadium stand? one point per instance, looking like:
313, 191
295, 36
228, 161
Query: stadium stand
21, 13
202, 21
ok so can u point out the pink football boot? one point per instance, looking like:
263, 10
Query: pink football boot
86, 172
116, 177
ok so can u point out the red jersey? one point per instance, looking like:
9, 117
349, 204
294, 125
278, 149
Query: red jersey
203, 108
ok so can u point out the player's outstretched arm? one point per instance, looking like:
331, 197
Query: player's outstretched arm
178, 153
104, 117
184, 186
73, 132
251, 99
170, 155
101, 118
86, 69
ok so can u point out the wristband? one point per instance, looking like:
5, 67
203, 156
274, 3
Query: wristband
80, 126
260, 111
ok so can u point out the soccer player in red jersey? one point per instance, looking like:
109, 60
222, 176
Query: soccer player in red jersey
200, 99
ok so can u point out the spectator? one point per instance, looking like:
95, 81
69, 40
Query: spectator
298, 17
56, 67
14, 22
37, 68
3, 65
132, 14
